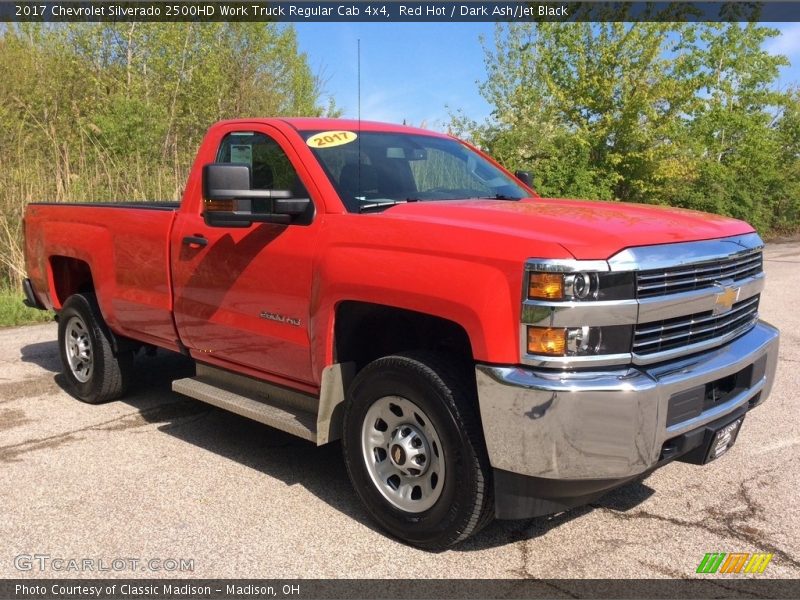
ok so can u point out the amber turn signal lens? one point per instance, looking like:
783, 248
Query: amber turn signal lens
219, 205
547, 340
546, 286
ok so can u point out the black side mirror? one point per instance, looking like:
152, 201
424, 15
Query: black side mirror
229, 201
525, 177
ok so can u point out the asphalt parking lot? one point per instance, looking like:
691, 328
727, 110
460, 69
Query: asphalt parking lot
160, 476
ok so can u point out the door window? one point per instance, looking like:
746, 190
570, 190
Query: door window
270, 168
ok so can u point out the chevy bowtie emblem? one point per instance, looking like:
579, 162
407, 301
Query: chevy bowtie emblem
723, 302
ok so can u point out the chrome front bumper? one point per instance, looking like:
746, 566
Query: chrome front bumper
608, 424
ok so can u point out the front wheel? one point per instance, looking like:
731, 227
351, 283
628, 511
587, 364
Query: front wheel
94, 373
414, 449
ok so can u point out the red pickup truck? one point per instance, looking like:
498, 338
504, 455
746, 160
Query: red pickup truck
480, 351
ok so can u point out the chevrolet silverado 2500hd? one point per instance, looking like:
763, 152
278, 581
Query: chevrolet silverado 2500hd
480, 351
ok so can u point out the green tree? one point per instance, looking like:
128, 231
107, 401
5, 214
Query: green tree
678, 113
733, 133
786, 201
107, 111
587, 107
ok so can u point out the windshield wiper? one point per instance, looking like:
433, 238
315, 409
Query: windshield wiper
498, 197
379, 205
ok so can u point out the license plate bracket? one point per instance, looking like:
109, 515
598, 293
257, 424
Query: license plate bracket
723, 439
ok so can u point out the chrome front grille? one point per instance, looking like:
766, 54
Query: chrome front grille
696, 276
668, 303
684, 331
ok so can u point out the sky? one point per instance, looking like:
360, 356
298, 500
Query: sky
420, 72
409, 71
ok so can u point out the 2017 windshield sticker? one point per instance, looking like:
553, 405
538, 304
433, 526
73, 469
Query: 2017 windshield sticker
329, 139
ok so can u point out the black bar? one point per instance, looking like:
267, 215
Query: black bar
706, 586
397, 11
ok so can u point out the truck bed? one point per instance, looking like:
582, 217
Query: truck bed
68, 244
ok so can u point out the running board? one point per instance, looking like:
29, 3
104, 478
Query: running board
278, 407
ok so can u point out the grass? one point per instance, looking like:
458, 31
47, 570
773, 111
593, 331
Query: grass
13, 312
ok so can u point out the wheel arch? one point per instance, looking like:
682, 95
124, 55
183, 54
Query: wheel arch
399, 330
69, 276
366, 331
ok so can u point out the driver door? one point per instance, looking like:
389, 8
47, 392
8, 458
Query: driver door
242, 293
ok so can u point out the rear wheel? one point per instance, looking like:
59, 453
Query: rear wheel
414, 449
94, 373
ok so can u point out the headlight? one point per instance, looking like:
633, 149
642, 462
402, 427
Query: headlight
576, 313
579, 341
580, 286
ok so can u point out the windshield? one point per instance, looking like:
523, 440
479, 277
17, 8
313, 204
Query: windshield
373, 170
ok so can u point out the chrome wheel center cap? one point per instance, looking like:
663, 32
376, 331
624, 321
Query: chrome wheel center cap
409, 451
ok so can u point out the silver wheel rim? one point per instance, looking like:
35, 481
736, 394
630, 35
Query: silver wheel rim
78, 347
403, 454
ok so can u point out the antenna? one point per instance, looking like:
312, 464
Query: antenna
358, 159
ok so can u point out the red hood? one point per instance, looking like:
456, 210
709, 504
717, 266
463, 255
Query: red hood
587, 229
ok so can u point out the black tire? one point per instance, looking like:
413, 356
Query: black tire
446, 394
104, 375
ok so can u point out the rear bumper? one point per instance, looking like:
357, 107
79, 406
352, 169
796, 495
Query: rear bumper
558, 439
31, 300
